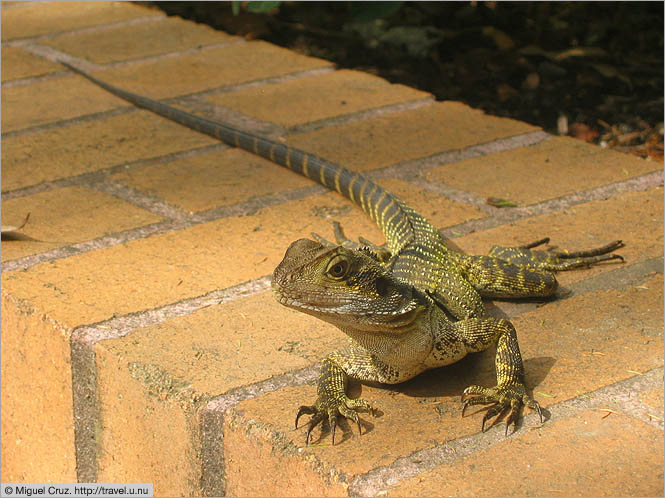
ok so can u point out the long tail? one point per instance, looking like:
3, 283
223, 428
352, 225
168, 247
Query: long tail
385, 209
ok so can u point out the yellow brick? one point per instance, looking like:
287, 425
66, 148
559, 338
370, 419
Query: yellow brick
37, 415
41, 18
440, 211
206, 69
213, 179
311, 99
67, 216
549, 169
17, 64
159, 36
402, 136
81, 148
53, 100
585, 456
146, 435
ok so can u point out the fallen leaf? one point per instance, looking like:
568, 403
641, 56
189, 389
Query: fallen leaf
608, 412
532, 81
501, 39
580, 52
505, 92
608, 71
500, 203
583, 132
9, 228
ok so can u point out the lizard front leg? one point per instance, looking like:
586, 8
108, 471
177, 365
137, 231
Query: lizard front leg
332, 400
510, 393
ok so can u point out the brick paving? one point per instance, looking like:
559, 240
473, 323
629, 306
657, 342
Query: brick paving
140, 340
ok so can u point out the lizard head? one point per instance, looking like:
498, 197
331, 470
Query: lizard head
344, 287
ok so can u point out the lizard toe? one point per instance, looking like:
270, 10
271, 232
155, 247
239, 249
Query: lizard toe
330, 408
507, 398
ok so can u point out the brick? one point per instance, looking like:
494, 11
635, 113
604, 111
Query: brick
441, 212
268, 421
290, 474
85, 147
212, 179
654, 400
418, 133
161, 35
35, 19
223, 347
208, 69
621, 457
163, 373
148, 431
17, 64
52, 100
32, 105
552, 168
311, 99
634, 217
66, 216
37, 418
556, 341
230, 176
163, 269
581, 344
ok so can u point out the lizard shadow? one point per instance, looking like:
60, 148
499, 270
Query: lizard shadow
450, 381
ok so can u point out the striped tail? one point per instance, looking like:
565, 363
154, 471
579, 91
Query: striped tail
388, 212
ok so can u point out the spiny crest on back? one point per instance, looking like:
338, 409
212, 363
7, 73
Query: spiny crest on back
368, 251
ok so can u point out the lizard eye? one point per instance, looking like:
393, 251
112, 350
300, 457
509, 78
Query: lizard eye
338, 268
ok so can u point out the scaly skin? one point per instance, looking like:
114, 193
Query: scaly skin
397, 331
407, 306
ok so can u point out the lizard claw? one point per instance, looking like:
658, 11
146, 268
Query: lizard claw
509, 398
331, 409
304, 410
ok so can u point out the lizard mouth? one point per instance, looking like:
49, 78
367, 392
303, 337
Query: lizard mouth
342, 308
294, 302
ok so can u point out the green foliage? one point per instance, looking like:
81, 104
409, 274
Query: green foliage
359, 12
255, 7
262, 7
363, 12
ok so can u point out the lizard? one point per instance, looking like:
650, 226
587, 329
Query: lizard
409, 305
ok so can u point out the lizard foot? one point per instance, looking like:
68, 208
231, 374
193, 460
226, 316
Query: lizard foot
330, 408
380, 252
502, 398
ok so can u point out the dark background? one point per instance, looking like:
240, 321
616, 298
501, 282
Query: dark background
593, 70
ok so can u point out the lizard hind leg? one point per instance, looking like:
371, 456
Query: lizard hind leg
555, 260
380, 251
